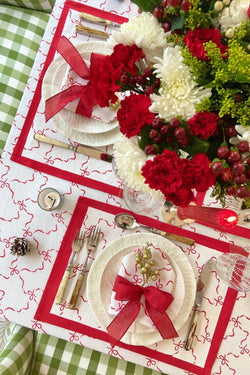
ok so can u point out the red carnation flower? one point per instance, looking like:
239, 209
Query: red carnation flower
126, 56
177, 178
198, 174
203, 124
134, 114
165, 173
195, 42
248, 12
103, 78
182, 197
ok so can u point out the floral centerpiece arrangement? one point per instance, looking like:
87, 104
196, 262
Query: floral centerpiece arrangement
185, 117
178, 75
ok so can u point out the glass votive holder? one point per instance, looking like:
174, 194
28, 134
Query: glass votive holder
49, 199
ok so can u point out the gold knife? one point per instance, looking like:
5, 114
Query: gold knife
200, 291
82, 149
89, 31
100, 21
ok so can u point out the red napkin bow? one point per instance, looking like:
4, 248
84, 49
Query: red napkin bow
85, 93
156, 302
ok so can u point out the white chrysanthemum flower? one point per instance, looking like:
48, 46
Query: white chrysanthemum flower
244, 135
233, 15
144, 31
178, 93
129, 159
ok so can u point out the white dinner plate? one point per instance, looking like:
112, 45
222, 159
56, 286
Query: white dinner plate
104, 271
74, 126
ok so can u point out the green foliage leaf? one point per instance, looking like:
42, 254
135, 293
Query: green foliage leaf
147, 5
196, 146
144, 139
213, 147
241, 78
219, 193
177, 23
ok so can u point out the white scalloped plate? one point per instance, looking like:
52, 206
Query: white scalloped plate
105, 268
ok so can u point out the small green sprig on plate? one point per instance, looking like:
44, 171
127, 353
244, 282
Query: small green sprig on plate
145, 262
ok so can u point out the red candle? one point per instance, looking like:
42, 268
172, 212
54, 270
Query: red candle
209, 215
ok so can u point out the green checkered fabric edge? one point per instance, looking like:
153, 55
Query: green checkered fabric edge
16, 355
57, 356
21, 32
41, 5
33, 353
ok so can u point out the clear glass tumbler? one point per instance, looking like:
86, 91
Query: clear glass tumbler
141, 202
234, 269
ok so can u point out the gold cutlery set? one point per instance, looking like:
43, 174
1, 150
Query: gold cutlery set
77, 244
92, 242
82, 149
97, 20
127, 221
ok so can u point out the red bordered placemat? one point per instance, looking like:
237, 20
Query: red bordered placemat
84, 179
19, 147
43, 312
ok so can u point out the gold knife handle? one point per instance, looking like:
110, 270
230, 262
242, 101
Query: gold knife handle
78, 283
51, 141
176, 237
192, 328
90, 31
76, 291
62, 286
94, 19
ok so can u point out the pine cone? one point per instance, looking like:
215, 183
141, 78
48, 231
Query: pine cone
20, 246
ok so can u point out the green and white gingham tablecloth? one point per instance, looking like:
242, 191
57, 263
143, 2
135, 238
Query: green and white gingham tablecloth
21, 32
28, 352
40, 5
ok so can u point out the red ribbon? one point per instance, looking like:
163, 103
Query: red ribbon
84, 92
156, 302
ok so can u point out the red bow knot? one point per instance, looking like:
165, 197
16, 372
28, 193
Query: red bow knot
87, 101
156, 302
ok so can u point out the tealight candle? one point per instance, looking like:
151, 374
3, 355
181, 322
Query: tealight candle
49, 199
209, 215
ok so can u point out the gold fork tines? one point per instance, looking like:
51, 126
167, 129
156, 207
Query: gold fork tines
77, 244
92, 242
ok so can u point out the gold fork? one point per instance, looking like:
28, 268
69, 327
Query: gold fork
76, 246
92, 242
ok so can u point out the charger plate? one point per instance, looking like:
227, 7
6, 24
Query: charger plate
104, 271
74, 126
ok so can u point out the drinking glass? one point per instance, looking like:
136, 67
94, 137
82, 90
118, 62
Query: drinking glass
234, 269
141, 202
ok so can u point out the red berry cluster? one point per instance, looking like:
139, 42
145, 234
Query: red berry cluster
144, 83
161, 11
233, 169
161, 135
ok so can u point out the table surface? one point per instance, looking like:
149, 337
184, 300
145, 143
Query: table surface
24, 279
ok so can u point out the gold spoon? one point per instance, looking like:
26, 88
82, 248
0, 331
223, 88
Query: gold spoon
127, 221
